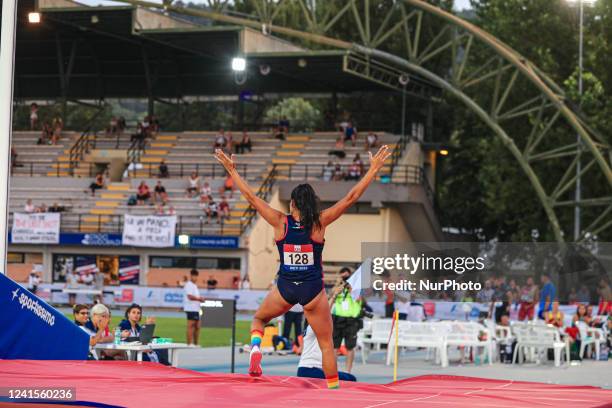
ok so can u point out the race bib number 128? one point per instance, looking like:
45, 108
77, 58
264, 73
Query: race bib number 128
298, 255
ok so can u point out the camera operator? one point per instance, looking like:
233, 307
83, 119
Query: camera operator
347, 315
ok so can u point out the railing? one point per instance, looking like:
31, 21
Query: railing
398, 151
211, 170
37, 168
113, 224
263, 192
136, 150
401, 174
84, 143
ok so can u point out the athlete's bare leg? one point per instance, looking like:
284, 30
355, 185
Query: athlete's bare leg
319, 318
273, 305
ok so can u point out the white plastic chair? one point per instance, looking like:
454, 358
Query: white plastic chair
590, 336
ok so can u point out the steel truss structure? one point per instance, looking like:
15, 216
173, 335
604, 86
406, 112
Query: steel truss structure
420, 39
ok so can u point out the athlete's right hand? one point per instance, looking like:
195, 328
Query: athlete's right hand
377, 161
227, 162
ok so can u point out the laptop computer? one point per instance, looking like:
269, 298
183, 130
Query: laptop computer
146, 333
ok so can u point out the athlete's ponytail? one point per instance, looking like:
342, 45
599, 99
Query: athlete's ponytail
307, 202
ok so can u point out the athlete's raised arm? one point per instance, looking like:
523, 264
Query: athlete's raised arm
376, 163
274, 217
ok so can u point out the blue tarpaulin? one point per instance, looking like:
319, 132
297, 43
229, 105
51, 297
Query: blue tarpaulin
31, 329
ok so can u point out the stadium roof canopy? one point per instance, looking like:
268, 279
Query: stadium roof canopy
92, 53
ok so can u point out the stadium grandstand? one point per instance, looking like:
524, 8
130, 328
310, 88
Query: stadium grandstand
133, 49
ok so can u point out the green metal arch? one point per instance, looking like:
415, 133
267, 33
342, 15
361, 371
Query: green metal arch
549, 104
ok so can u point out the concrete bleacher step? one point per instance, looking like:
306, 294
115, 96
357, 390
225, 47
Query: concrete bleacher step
58, 174
146, 159
95, 220
289, 153
162, 144
119, 187
113, 196
298, 138
102, 211
111, 204
283, 161
166, 137
242, 205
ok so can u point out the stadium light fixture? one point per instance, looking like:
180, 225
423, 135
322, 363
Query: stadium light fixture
34, 17
183, 239
238, 64
443, 152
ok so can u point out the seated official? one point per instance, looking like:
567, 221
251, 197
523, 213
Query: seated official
311, 360
130, 329
96, 327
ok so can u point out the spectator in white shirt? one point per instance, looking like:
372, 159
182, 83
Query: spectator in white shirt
311, 361
33, 282
191, 306
29, 207
194, 184
245, 284
206, 190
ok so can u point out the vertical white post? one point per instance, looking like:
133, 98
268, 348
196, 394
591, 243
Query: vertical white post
578, 191
7, 61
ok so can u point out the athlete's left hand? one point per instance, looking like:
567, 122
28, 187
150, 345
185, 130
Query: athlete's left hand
377, 161
227, 162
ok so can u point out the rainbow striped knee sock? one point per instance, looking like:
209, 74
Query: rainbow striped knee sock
332, 382
256, 336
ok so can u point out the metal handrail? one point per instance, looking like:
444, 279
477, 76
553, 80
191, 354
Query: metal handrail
36, 168
136, 150
263, 192
212, 170
84, 143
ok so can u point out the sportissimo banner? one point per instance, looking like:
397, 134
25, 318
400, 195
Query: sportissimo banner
30, 329
41, 228
149, 231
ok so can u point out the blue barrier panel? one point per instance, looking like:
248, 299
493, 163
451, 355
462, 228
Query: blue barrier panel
31, 329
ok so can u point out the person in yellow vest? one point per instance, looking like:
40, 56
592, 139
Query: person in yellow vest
347, 317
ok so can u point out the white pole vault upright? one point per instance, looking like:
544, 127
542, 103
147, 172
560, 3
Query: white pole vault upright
7, 61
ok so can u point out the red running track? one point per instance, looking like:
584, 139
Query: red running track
149, 385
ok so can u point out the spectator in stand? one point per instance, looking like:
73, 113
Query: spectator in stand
245, 284
554, 316
146, 126
87, 278
140, 134
224, 208
143, 193
194, 184
45, 134
155, 127
582, 314
163, 169
206, 190
113, 127
486, 294
56, 208
220, 140
170, 211
33, 116
357, 160
212, 210
547, 295
29, 208
350, 133
328, 171
338, 150
204, 202
228, 185
338, 173
371, 141
191, 306
528, 295
159, 193
605, 297
97, 184
235, 283
211, 283
42, 208
57, 127
245, 143
354, 172
583, 295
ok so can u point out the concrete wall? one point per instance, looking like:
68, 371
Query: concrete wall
263, 258
254, 42
150, 20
